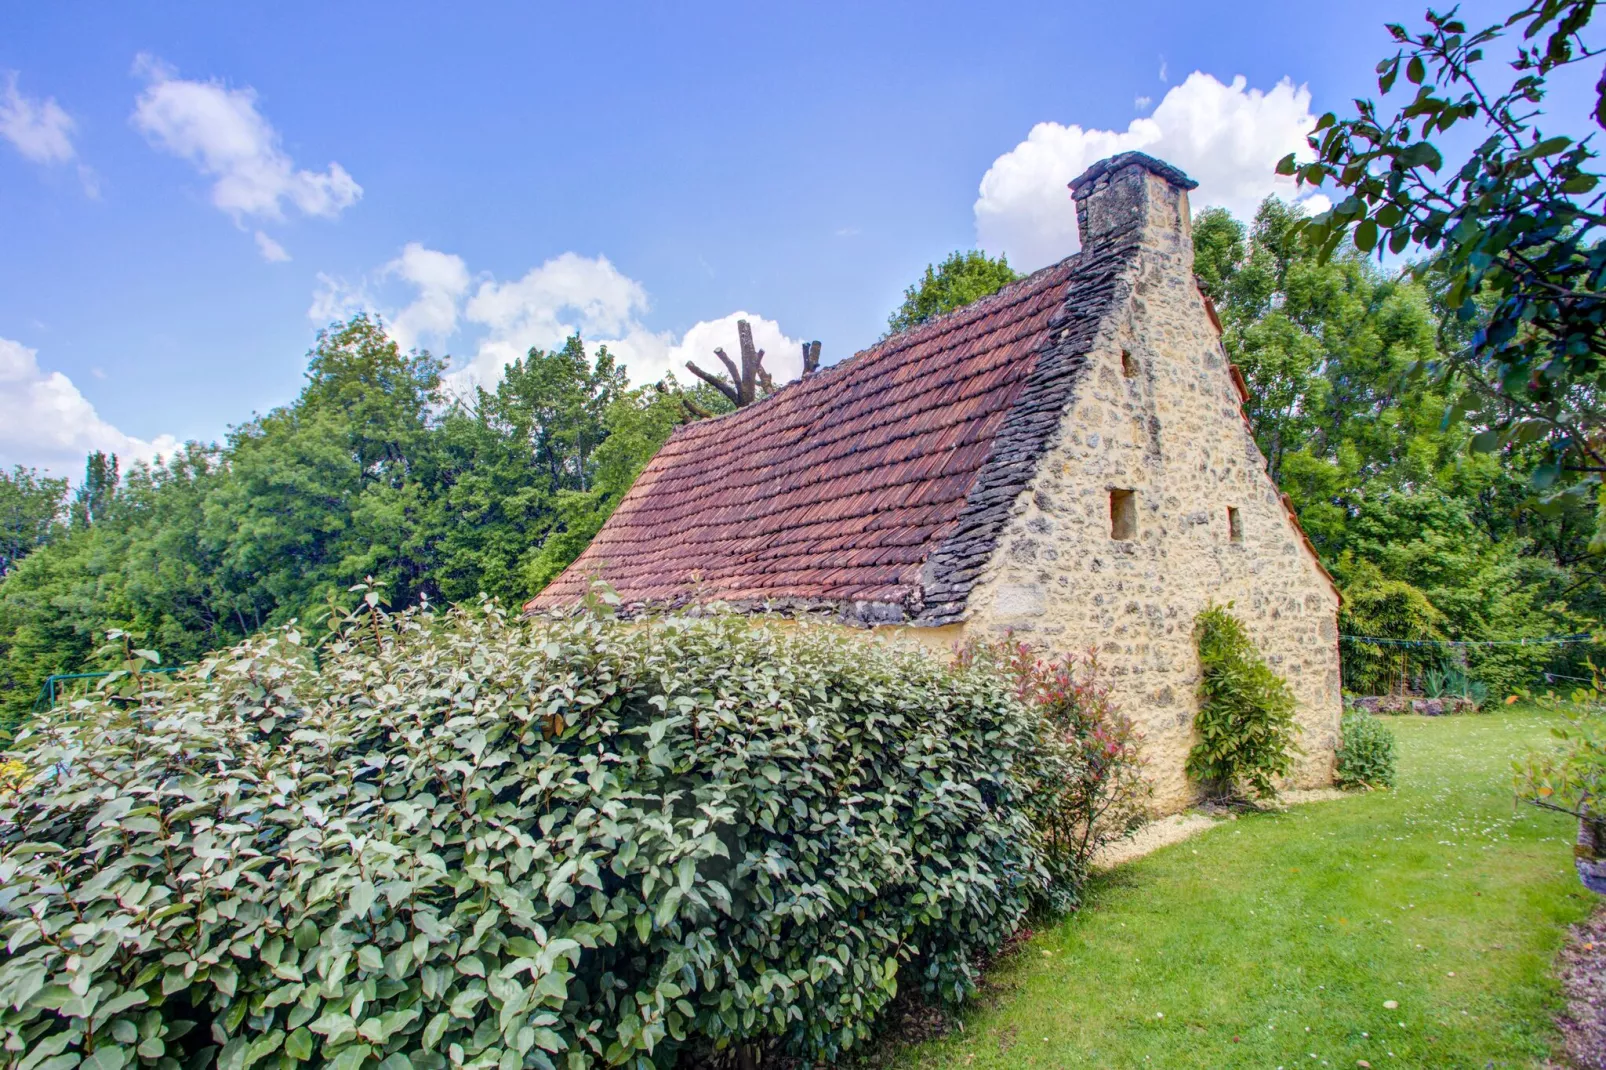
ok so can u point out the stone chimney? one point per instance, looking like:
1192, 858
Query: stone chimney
1134, 197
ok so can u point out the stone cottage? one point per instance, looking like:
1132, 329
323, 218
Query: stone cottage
1067, 459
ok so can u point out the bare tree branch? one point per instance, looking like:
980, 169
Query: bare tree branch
751, 381
736, 376
716, 382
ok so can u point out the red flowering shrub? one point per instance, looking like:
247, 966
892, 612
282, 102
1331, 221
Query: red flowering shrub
1086, 783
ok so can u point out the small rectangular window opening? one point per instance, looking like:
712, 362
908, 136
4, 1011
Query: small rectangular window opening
1129, 366
1235, 524
1123, 515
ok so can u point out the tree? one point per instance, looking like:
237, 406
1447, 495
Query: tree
1400, 629
96, 493
1322, 344
1513, 229
749, 382
374, 470
956, 282
1386, 488
334, 487
31, 513
382, 397
811, 357
1218, 249
143, 566
638, 423
508, 457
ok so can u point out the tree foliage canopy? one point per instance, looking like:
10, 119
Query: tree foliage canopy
375, 469
1387, 488
960, 279
30, 507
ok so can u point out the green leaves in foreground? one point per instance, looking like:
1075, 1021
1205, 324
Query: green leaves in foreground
457, 839
1510, 226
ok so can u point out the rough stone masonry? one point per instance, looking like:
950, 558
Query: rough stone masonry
1157, 414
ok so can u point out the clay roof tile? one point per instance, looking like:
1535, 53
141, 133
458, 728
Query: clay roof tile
843, 487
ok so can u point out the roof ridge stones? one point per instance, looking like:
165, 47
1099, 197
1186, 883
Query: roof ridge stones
1111, 164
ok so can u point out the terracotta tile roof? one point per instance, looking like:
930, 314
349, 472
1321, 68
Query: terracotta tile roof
877, 486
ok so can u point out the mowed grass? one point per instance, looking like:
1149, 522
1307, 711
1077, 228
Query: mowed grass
1274, 940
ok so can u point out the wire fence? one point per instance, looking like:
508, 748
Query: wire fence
1376, 664
51, 689
1581, 637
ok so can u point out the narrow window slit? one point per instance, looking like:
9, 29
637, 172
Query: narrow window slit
1129, 366
1123, 515
1235, 524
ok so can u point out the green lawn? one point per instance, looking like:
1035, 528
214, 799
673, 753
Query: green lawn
1274, 940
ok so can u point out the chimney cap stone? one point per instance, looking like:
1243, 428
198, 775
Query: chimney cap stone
1111, 164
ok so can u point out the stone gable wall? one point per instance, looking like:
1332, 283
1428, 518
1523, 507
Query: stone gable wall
1172, 433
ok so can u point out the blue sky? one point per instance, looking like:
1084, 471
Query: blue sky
187, 189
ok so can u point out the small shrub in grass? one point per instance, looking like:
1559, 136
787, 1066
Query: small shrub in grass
458, 839
1085, 779
1246, 712
1365, 752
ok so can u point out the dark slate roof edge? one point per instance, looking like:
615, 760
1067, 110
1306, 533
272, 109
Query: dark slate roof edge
952, 570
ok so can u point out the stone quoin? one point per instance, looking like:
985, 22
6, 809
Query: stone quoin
1066, 460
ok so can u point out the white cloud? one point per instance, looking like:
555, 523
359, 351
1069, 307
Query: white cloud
39, 129
566, 294
1315, 203
336, 299
441, 280
222, 133
650, 356
271, 250
46, 423
1141, 103
1228, 137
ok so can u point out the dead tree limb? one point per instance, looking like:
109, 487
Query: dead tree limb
693, 410
736, 376
746, 384
716, 382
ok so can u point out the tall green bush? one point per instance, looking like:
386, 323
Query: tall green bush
462, 839
1365, 752
1245, 722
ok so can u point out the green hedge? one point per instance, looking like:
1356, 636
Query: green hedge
461, 839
